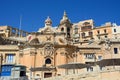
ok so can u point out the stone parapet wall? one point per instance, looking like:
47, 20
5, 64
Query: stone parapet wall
112, 74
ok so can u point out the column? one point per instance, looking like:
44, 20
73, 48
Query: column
0, 62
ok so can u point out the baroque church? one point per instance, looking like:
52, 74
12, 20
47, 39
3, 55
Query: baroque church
69, 48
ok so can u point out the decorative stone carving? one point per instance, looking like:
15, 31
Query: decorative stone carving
74, 55
48, 50
48, 38
33, 52
21, 53
63, 53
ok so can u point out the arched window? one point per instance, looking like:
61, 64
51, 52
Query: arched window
90, 33
48, 61
68, 32
62, 29
83, 35
76, 29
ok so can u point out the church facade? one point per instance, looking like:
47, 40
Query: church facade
42, 52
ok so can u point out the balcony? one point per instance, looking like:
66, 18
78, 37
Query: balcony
102, 34
89, 36
7, 61
89, 60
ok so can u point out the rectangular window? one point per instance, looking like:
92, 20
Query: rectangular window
99, 58
114, 30
90, 33
115, 50
76, 30
105, 31
10, 58
83, 35
98, 32
89, 56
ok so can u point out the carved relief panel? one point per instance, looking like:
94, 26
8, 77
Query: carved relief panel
48, 50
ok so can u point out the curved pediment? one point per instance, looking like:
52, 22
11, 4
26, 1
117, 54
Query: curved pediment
35, 40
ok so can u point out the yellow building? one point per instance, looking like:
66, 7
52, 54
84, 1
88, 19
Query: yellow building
103, 32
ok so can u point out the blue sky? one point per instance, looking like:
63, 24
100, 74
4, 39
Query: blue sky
34, 12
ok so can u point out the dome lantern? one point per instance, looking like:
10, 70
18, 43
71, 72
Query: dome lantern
48, 21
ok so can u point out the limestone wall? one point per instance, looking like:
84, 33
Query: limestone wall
102, 75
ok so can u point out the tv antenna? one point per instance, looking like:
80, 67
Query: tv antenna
19, 35
20, 25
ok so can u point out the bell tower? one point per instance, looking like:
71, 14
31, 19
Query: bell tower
65, 25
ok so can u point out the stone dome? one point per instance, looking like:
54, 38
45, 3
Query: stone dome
64, 19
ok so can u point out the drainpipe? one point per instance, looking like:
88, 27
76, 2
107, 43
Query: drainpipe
0, 62
34, 62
